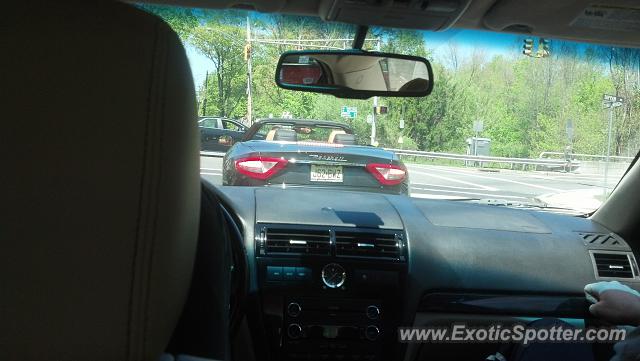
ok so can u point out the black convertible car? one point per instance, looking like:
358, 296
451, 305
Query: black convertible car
219, 134
311, 153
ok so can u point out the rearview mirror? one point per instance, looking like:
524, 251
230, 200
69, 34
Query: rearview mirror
355, 73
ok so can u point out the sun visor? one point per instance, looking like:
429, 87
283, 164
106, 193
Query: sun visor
610, 23
414, 14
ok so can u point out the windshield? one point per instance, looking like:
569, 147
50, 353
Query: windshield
512, 119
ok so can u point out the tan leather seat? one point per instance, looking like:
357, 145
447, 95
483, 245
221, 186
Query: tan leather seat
285, 135
333, 134
100, 182
271, 134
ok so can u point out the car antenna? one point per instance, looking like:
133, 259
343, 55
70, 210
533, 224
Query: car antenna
361, 34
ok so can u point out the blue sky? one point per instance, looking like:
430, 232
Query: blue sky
469, 40
199, 65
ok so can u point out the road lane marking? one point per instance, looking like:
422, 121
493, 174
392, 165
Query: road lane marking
501, 180
437, 196
209, 173
213, 169
493, 196
452, 187
449, 179
578, 178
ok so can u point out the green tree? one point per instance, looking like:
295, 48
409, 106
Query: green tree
220, 39
181, 20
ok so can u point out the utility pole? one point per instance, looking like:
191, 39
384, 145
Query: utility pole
248, 51
475, 144
606, 163
401, 140
478, 126
204, 98
375, 106
611, 102
373, 121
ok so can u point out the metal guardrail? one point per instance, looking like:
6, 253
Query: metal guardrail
212, 154
588, 156
485, 159
551, 163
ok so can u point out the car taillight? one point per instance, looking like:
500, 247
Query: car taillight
260, 167
387, 174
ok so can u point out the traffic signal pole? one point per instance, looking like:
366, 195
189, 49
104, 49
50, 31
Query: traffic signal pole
204, 98
373, 122
375, 106
606, 163
611, 102
249, 75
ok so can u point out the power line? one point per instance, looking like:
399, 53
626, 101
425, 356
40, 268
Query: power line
316, 40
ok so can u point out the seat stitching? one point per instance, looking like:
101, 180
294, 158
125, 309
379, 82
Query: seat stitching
133, 304
163, 51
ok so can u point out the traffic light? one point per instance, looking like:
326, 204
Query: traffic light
246, 52
527, 48
544, 47
381, 109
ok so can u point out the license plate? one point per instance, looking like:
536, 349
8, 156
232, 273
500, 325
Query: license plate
326, 173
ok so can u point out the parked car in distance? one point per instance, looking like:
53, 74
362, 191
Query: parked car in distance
219, 134
311, 153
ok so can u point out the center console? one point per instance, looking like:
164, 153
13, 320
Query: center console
330, 293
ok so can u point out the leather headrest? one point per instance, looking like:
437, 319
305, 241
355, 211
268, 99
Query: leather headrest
333, 134
344, 138
287, 135
101, 193
271, 134
415, 85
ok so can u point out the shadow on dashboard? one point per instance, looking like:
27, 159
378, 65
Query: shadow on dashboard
360, 219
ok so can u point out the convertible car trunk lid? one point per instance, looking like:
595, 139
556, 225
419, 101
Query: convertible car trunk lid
323, 152
312, 164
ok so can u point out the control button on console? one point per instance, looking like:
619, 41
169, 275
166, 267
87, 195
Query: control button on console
373, 312
303, 274
294, 331
288, 273
371, 333
274, 273
294, 309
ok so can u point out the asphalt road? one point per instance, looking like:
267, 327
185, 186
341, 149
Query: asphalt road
575, 190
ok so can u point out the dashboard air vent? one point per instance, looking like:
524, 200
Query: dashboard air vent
614, 265
296, 241
601, 239
369, 245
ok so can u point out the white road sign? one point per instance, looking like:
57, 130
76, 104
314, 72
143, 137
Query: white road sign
478, 125
612, 101
569, 129
369, 118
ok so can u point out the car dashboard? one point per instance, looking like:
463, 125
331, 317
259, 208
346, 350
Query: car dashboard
333, 274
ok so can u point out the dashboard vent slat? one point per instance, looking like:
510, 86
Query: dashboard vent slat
602, 240
368, 245
613, 265
293, 241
